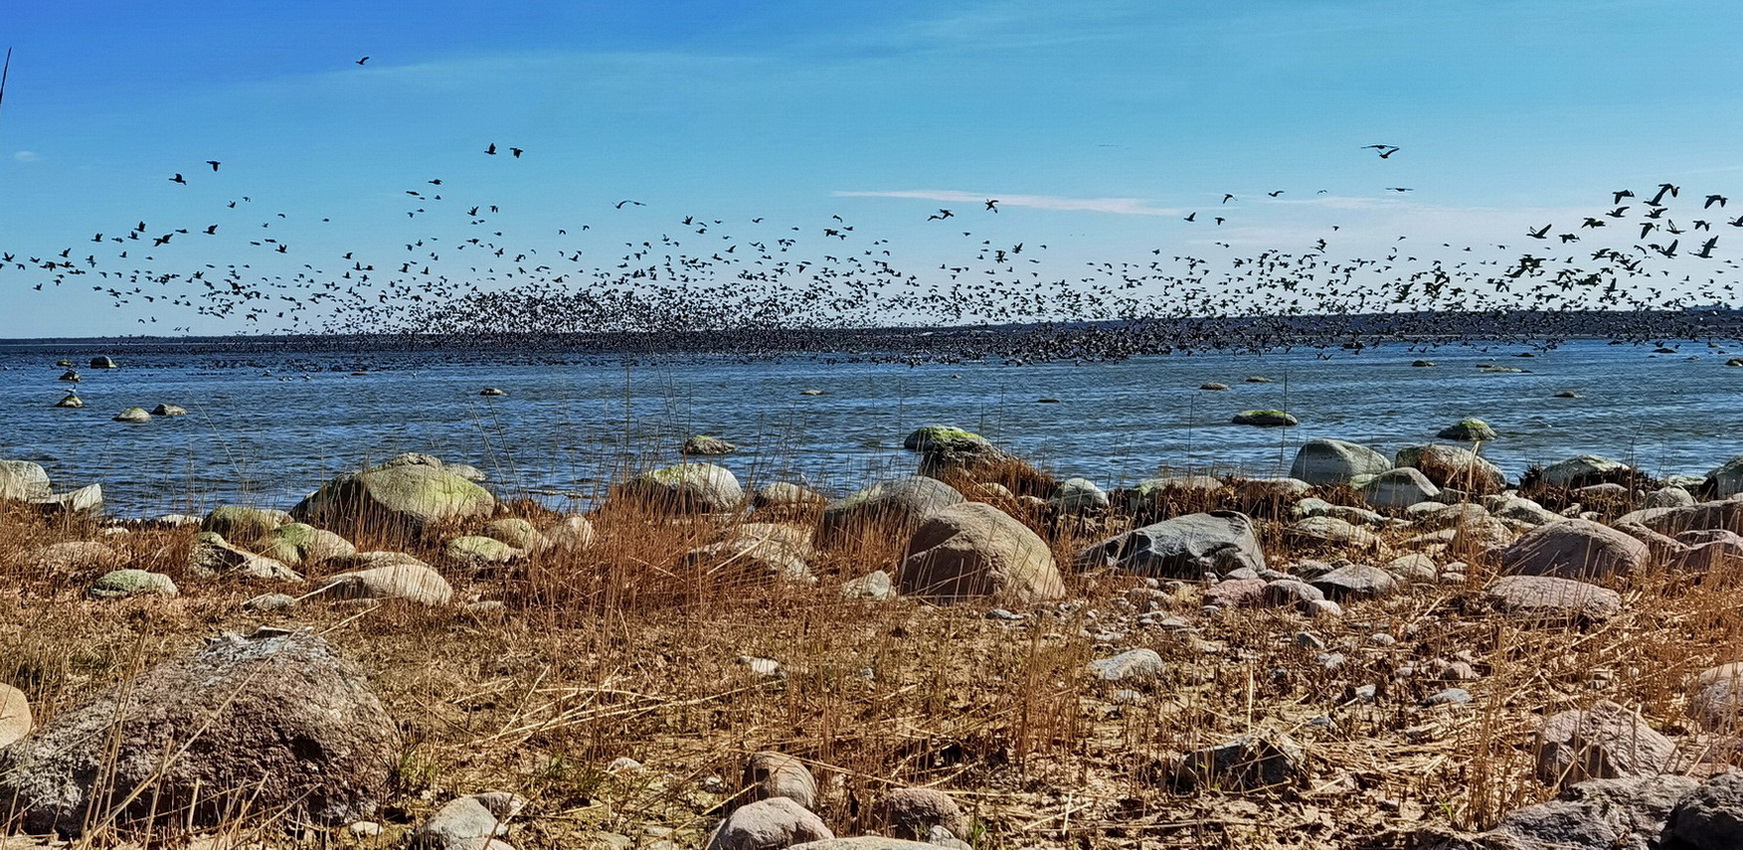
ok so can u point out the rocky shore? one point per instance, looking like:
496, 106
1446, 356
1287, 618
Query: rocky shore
1421, 650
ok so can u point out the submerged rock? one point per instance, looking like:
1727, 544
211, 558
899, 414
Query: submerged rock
1265, 419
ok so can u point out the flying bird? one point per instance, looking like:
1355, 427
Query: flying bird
178, 179
516, 152
1714, 199
214, 163
491, 150
992, 204
620, 204
363, 60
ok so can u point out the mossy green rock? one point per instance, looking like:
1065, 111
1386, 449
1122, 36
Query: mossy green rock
688, 488
123, 583
514, 531
404, 495
238, 523
937, 435
1468, 431
297, 542
1265, 419
477, 549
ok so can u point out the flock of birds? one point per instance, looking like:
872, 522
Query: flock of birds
769, 286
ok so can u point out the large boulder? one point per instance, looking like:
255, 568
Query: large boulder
1326, 461
1574, 548
768, 774
1599, 814
276, 724
946, 448
1605, 741
1187, 546
1455, 467
893, 507
21, 479
687, 488
402, 496
468, 823
913, 812
974, 550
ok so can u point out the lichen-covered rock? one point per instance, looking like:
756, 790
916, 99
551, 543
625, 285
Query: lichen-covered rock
514, 531
275, 724
476, 549
687, 488
972, 550
1468, 431
1133, 664
702, 444
785, 494
1265, 419
133, 414
402, 496
233, 522
76, 556
212, 557
296, 543
124, 583
1582, 471
403, 578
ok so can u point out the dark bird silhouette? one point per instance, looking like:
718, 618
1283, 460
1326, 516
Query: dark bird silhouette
1540, 233
992, 204
1617, 212
1618, 195
1399, 189
1714, 199
1227, 197
942, 215
620, 204
178, 179
1385, 150
363, 60
1275, 194
1662, 189
1192, 216
1706, 251
516, 152
491, 150
214, 163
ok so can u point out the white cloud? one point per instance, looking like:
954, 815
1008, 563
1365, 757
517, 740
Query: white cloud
1115, 206
26, 156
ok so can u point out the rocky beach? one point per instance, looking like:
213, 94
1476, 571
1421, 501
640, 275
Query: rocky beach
1421, 650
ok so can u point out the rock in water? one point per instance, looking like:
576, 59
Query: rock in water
71, 401
702, 444
403, 495
169, 410
276, 724
974, 549
1265, 419
687, 488
133, 414
103, 363
1326, 461
1468, 431
493, 392
1183, 547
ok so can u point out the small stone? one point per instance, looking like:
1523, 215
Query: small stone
270, 602
1450, 696
1130, 665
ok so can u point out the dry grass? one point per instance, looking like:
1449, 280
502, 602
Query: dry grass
628, 650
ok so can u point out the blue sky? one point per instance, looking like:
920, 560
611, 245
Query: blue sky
1097, 124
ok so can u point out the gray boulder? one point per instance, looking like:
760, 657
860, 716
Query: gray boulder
1399, 488
1468, 431
233, 522
1078, 494
1574, 548
766, 824
769, 774
403, 578
402, 496
702, 444
687, 488
1708, 818
1265, 419
1133, 664
468, 823
1581, 471
212, 557
1325, 461
1356, 581
1553, 600
1605, 741
1187, 546
913, 812
894, 507
276, 724
133, 414
1600, 814
1725, 481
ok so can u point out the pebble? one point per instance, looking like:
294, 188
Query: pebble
1382, 639
1309, 640
1450, 696
1002, 614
